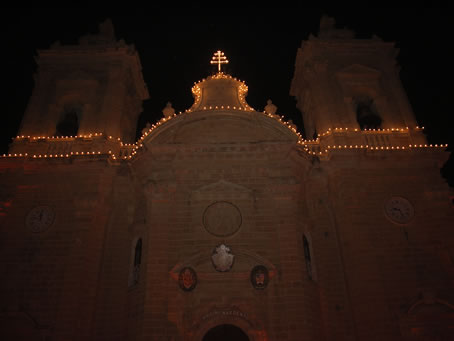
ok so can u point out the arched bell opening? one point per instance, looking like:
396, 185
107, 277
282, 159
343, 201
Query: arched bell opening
69, 122
366, 113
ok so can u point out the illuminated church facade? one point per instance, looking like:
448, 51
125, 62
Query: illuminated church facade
221, 221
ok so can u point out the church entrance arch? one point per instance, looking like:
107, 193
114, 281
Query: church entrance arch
226, 324
225, 332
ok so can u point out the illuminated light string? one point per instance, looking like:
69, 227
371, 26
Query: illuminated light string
243, 89
139, 144
387, 130
132, 148
278, 118
218, 58
59, 137
385, 147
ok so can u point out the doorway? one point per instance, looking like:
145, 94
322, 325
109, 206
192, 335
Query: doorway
225, 332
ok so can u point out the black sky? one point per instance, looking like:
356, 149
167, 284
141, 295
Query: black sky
176, 45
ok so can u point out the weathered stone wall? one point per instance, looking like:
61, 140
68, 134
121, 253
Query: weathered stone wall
52, 276
370, 277
259, 180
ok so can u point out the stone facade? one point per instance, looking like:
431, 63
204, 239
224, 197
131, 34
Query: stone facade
223, 215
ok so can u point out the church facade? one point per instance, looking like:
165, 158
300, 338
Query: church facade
223, 222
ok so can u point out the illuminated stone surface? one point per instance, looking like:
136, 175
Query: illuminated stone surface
371, 277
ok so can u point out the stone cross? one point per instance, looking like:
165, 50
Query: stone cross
219, 58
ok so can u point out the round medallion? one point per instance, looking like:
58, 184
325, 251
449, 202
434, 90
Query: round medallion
259, 277
40, 218
187, 279
399, 210
222, 219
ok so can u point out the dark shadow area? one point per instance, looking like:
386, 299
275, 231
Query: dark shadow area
225, 332
68, 125
366, 114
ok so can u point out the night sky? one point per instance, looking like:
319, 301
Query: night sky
176, 45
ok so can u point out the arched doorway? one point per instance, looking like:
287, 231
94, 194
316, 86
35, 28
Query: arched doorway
225, 332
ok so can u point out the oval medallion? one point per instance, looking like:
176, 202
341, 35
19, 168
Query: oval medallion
259, 277
187, 279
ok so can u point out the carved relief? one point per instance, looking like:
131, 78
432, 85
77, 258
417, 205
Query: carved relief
222, 258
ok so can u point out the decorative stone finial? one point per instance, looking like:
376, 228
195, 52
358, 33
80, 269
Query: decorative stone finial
105, 35
328, 30
146, 128
106, 30
270, 107
291, 124
168, 111
327, 23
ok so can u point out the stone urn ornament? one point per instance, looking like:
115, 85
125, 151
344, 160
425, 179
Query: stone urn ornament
222, 258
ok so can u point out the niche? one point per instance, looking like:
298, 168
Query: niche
68, 124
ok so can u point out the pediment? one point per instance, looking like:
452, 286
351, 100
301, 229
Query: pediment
222, 186
220, 190
430, 308
214, 127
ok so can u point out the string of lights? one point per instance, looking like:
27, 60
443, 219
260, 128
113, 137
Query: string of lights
125, 151
307, 145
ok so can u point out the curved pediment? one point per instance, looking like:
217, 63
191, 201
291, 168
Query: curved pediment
222, 189
358, 70
220, 126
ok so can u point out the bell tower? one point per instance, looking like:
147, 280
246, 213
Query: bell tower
352, 84
93, 87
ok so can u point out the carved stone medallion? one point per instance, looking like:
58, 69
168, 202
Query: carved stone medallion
222, 219
187, 279
259, 277
40, 218
222, 258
